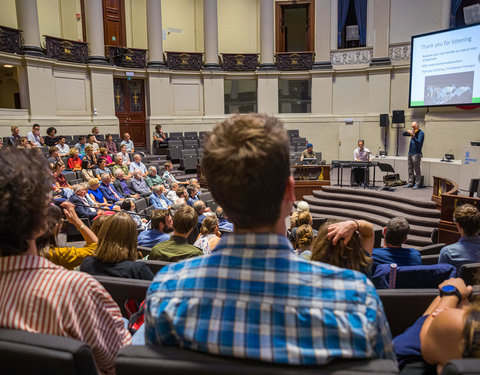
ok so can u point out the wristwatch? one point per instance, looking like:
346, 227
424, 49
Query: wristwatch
450, 290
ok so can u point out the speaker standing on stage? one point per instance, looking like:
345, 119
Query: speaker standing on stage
308, 153
415, 155
361, 153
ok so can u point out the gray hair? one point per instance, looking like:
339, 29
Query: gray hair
137, 173
78, 187
397, 230
199, 206
104, 176
117, 172
151, 168
156, 188
118, 156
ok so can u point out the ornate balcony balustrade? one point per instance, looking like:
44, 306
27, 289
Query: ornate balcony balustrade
127, 57
66, 50
295, 60
184, 60
11, 40
239, 61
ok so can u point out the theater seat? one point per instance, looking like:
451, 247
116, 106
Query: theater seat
467, 366
413, 276
470, 273
34, 353
171, 360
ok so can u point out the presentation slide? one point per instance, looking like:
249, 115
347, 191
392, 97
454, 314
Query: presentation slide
445, 68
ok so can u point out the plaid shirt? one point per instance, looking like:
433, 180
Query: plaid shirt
254, 298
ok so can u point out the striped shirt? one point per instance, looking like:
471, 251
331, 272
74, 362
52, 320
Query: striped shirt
252, 297
38, 296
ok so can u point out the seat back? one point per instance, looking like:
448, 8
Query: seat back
404, 306
122, 289
148, 360
413, 276
154, 265
40, 354
140, 204
470, 366
175, 151
189, 152
191, 135
470, 273
431, 249
430, 259
100, 137
176, 135
293, 133
190, 162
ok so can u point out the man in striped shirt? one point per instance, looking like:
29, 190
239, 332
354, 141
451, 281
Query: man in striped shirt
36, 295
252, 297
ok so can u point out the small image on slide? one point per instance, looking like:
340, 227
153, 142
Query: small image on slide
455, 88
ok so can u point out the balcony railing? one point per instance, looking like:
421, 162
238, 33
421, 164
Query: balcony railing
184, 60
66, 50
127, 57
11, 40
295, 60
239, 61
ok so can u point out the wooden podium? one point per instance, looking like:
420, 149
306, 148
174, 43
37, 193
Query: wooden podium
309, 178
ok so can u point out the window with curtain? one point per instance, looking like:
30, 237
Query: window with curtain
352, 23
457, 18
240, 95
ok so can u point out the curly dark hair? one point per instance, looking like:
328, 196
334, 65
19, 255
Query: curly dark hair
25, 183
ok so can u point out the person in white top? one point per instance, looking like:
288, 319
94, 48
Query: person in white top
63, 148
34, 137
91, 142
360, 174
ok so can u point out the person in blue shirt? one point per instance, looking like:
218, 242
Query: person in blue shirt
161, 222
128, 143
192, 195
395, 234
158, 198
223, 223
252, 297
415, 155
467, 249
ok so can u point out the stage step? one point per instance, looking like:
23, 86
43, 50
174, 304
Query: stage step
378, 194
401, 208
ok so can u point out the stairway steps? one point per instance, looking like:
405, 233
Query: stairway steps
379, 195
401, 208
385, 213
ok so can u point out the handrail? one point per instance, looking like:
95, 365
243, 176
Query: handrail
442, 186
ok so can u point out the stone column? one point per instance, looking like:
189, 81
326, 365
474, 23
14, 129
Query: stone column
381, 29
94, 24
155, 33
210, 33
322, 34
266, 34
27, 18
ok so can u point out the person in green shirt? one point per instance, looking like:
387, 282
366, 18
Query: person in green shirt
119, 165
177, 247
153, 178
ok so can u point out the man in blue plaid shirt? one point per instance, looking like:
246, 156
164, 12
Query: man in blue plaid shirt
252, 297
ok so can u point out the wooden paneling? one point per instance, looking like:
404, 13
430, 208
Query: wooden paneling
114, 23
280, 35
130, 108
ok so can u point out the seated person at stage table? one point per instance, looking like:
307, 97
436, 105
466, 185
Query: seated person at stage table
177, 247
308, 153
361, 153
54, 300
161, 222
253, 280
467, 249
395, 234
448, 329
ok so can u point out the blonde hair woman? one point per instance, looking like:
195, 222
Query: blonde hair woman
116, 253
209, 236
303, 243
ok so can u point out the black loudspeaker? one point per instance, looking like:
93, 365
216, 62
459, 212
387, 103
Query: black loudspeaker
398, 117
384, 120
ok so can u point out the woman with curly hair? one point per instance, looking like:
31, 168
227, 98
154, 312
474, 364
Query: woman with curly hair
303, 242
116, 253
346, 251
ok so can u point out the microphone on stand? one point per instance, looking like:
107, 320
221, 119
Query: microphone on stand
378, 151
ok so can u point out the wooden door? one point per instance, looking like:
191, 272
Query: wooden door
130, 108
114, 23
305, 30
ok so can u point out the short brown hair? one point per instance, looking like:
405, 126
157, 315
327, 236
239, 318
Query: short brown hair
168, 164
88, 148
185, 219
159, 216
396, 231
246, 164
304, 218
180, 192
350, 256
102, 150
52, 149
117, 239
468, 217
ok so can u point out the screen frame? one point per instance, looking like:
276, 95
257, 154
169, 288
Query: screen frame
411, 61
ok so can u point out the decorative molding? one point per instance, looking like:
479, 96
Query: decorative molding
66, 50
295, 60
399, 52
127, 57
184, 60
351, 56
11, 40
239, 61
